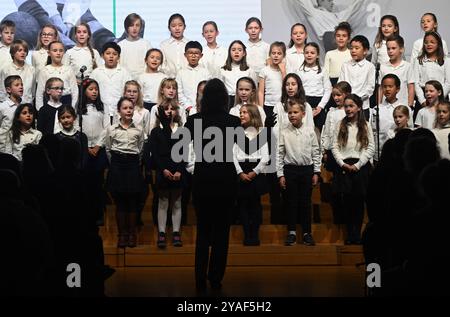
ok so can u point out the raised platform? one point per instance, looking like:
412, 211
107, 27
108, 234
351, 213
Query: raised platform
329, 251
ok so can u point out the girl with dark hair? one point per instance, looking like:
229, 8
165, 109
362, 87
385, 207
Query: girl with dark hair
353, 148
316, 83
428, 23
235, 67
22, 131
389, 27
124, 143
174, 47
294, 55
95, 121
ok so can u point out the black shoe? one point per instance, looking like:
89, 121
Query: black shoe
291, 240
308, 239
176, 239
161, 240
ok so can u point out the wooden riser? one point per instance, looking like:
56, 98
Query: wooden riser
238, 255
272, 252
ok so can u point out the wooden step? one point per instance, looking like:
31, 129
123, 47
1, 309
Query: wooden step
238, 255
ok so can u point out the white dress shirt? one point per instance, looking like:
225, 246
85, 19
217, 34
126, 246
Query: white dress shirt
380, 55
283, 118
231, 77
5, 55
7, 110
386, 122
214, 59
316, 84
273, 84
418, 46
27, 73
235, 111
141, 117
334, 60
361, 76
404, 71
111, 82
430, 70
76, 57
299, 147
294, 60
257, 55
188, 79
124, 140
261, 154
174, 59
64, 73
442, 139
353, 148
95, 124
150, 83
31, 136
39, 60
133, 54
334, 117
426, 118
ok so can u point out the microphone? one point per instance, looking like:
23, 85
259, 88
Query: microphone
83, 69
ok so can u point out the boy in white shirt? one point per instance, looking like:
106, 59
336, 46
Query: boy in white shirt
189, 77
134, 47
111, 78
403, 70
298, 170
18, 66
359, 72
7, 31
14, 88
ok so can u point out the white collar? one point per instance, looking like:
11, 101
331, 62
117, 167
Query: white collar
308, 69
361, 63
54, 104
71, 132
174, 40
79, 48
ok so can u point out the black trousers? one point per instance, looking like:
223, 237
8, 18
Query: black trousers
319, 120
298, 192
250, 210
353, 214
213, 230
126, 202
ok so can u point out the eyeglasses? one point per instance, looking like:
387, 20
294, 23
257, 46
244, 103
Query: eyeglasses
47, 34
193, 53
57, 88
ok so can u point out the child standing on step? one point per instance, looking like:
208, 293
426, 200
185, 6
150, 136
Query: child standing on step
169, 174
298, 170
250, 163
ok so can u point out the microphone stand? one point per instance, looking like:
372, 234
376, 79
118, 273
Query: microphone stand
80, 114
377, 108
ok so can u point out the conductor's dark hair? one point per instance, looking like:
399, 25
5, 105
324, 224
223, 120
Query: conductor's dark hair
215, 97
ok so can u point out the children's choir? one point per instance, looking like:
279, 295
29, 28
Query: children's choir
133, 95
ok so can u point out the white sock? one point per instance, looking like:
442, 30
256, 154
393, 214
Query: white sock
163, 204
176, 214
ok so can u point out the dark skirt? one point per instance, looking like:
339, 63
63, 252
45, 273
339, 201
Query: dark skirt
97, 163
257, 187
351, 183
124, 175
319, 120
163, 183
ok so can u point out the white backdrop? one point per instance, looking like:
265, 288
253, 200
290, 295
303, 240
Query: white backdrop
278, 19
230, 15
